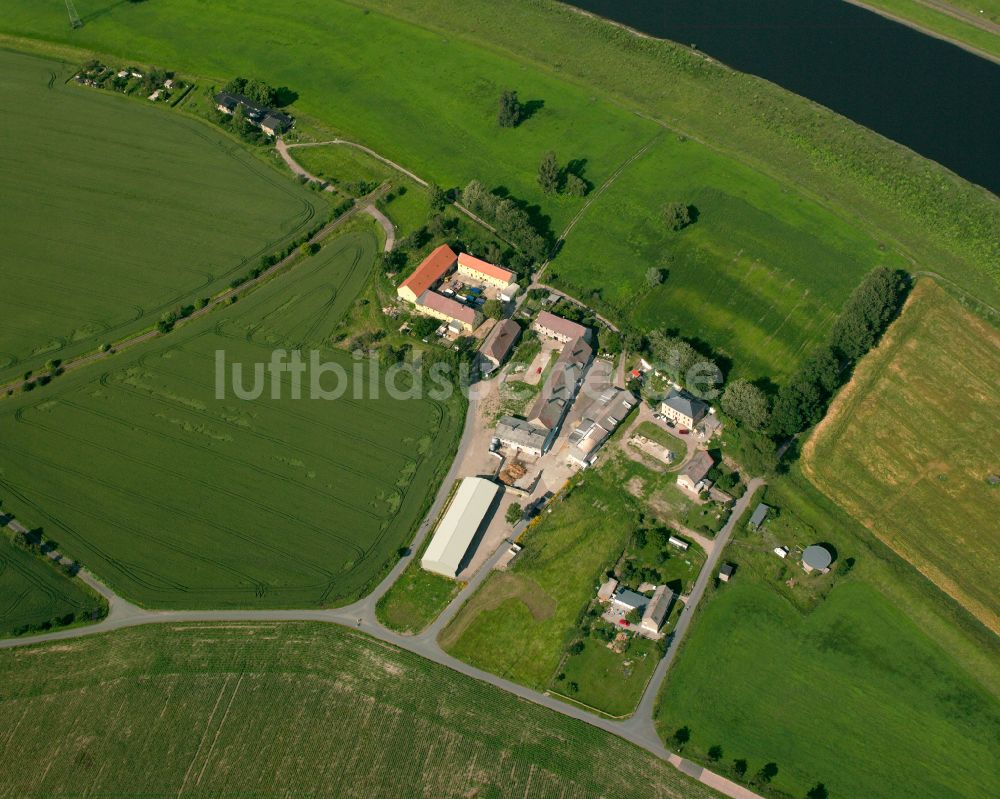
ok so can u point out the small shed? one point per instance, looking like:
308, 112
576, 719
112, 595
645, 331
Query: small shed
758, 516
680, 543
781, 552
607, 590
726, 572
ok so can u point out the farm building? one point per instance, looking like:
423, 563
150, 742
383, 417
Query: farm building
520, 435
434, 267
275, 123
607, 590
459, 525
683, 408
552, 326
692, 478
483, 271
435, 305
817, 558
758, 516
269, 120
680, 543
726, 572
498, 344
560, 389
601, 419
657, 610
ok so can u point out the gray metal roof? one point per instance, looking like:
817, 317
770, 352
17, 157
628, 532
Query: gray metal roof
759, 514
817, 557
521, 432
633, 599
560, 388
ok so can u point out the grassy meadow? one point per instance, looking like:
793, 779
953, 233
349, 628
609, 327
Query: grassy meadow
757, 277
862, 679
33, 593
291, 710
909, 445
179, 498
116, 211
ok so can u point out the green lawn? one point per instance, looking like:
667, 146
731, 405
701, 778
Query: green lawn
760, 274
34, 593
661, 435
415, 599
343, 165
865, 681
607, 681
116, 211
289, 709
518, 622
178, 498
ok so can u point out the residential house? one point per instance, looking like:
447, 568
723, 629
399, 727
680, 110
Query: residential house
683, 408
692, 476
498, 344
275, 123
656, 611
483, 271
627, 600
552, 326
459, 316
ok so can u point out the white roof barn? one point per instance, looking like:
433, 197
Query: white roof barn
459, 525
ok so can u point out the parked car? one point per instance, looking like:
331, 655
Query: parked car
683, 431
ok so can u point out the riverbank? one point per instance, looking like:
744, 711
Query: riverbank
980, 37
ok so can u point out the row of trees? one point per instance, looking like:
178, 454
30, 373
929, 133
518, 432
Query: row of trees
254, 90
511, 221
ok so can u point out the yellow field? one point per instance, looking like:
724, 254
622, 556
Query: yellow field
908, 446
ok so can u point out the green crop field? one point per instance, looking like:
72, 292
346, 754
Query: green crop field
178, 498
794, 202
116, 211
909, 446
291, 710
862, 679
33, 593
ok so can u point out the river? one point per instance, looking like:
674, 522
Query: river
936, 98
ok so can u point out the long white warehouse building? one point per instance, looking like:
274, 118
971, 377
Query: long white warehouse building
459, 526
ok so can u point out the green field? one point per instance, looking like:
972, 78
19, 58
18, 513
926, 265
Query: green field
116, 211
291, 710
606, 681
932, 19
180, 499
862, 679
33, 593
910, 444
518, 622
383, 83
760, 275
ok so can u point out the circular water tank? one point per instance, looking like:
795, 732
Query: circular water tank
817, 557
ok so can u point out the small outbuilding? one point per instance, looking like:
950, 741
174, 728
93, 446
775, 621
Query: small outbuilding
680, 543
726, 572
758, 516
817, 558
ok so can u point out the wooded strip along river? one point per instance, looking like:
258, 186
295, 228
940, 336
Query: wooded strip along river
934, 97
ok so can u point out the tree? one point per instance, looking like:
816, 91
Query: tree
514, 513
576, 647
549, 173
681, 737
767, 773
654, 277
818, 791
740, 767
867, 313
493, 309
746, 404
676, 215
511, 112
575, 185
437, 196
715, 753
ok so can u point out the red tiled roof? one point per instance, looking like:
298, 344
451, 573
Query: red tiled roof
448, 306
485, 267
431, 270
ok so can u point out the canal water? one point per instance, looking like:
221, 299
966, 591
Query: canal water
936, 98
